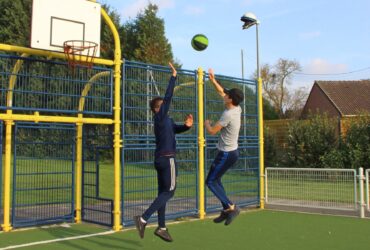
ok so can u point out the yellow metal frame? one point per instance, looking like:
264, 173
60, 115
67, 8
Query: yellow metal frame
78, 184
50, 54
117, 141
201, 144
261, 144
9, 119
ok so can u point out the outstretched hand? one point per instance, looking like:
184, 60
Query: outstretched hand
211, 74
217, 85
207, 123
174, 72
189, 120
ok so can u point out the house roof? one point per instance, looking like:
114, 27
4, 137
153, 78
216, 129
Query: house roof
349, 97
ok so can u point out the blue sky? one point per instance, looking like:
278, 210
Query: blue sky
329, 38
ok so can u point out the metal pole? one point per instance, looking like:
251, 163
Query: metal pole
6, 226
361, 179
258, 53
117, 142
201, 144
242, 58
244, 108
260, 125
367, 190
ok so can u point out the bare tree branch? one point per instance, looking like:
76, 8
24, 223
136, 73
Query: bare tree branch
274, 82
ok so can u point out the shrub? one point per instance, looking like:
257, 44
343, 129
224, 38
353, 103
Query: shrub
269, 146
357, 142
335, 158
310, 140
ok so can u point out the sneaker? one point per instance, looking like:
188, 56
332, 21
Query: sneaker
221, 217
231, 215
163, 234
140, 226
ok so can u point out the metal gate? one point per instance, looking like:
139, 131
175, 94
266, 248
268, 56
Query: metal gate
367, 190
97, 192
311, 189
241, 182
43, 173
141, 83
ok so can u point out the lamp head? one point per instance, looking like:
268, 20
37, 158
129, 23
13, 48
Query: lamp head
249, 20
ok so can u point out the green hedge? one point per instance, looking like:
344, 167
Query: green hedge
316, 143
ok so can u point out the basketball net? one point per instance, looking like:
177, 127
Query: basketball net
80, 53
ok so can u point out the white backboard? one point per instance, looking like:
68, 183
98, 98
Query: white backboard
56, 21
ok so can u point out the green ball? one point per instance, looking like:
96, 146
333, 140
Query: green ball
199, 42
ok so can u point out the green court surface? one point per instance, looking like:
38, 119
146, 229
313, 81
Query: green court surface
267, 230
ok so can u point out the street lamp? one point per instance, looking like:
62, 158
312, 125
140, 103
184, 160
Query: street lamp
250, 20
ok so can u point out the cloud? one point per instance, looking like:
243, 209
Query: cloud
321, 66
131, 11
309, 35
252, 2
193, 11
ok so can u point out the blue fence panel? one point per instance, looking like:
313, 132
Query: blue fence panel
141, 83
43, 174
51, 86
241, 182
98, 178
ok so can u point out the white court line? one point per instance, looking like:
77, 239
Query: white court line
56, 240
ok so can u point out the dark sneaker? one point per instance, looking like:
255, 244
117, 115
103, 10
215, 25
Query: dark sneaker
140, 226
231, 215
163, 234
221, 217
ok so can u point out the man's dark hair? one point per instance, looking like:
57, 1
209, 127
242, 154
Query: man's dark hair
154, 103
236, 95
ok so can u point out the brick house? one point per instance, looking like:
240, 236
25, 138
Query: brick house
338, 98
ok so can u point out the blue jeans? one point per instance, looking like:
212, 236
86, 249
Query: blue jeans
222, 162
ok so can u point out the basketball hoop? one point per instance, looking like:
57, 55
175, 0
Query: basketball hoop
80, 53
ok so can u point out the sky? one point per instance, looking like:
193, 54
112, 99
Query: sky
329, 38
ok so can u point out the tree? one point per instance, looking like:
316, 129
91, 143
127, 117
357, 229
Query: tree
145, 38
269, 112
106, 38
274, 82
295, 101
15, 22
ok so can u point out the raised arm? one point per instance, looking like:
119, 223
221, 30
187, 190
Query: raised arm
218, 87
169, 93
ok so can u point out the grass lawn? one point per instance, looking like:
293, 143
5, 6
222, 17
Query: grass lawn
257, 230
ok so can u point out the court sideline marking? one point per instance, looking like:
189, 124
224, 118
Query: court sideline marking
56, 240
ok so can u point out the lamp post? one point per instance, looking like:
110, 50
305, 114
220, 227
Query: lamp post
250, 20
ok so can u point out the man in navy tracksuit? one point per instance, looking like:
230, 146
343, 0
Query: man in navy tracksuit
165, 164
